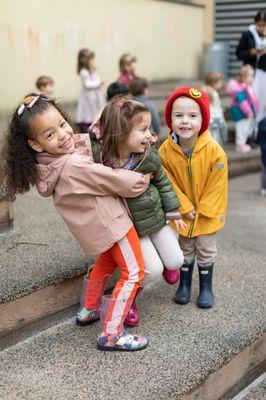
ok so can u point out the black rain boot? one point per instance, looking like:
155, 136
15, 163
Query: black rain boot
182, 295
205, 299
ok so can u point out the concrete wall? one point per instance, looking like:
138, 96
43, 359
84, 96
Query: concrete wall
43, 37
208, 33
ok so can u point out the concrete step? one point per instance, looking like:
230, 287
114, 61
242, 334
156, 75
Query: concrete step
255, 391
42, 266
193, 353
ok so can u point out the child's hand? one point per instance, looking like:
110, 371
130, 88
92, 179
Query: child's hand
180, 224
260, 52
190, 215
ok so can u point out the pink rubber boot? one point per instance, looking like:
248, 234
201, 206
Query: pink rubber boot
132, 318
171, 276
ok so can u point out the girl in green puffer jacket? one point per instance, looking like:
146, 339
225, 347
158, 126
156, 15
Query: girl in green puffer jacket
122, 139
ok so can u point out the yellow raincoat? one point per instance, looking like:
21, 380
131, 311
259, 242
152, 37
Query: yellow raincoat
200, 182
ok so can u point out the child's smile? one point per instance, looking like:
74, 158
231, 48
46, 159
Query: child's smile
52, 133
139, 137
186, 119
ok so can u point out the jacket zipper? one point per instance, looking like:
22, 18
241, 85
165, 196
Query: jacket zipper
190, 179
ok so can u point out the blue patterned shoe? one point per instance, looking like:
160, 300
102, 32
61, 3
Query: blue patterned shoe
86, 317
122, 342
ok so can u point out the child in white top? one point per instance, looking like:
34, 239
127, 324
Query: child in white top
213, 82
91, 99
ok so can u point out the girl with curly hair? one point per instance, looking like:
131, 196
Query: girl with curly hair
43, 151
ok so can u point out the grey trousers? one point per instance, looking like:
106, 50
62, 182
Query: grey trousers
202, 248
263, 177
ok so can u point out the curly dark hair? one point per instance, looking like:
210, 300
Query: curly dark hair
19, 168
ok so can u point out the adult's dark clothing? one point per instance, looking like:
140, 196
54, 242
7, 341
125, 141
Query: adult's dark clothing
246, 43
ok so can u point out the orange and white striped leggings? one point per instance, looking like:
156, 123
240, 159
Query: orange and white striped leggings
126, 254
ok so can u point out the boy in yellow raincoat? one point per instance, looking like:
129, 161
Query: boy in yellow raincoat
197, 166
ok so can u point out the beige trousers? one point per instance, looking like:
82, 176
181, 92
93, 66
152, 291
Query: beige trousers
201, 247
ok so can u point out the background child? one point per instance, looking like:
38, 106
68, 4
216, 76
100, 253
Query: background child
262, 143
45, 84
91, 99
124, 129
127, 67
42, 150
244, 106
197, 167
139, 89
251, 50
116, 88
213, 83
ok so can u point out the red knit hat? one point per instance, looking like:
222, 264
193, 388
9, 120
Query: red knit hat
195, 94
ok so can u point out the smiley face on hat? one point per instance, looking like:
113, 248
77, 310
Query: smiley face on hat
195, 93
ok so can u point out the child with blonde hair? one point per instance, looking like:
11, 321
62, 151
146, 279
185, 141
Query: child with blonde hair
213, 83
127, 67
244, 106
45, 84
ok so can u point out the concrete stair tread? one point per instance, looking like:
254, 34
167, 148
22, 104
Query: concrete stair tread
39, 252
186, 343
257, 393
185, 347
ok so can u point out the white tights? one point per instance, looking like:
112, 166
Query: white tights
160, 249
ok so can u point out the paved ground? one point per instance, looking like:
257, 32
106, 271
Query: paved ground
186, 343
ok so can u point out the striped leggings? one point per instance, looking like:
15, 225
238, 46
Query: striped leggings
126, 254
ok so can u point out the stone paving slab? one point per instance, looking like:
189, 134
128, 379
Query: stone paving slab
186, 343
258, 393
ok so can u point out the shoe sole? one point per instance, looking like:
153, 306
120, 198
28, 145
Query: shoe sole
103, 348
86, 323
182, 303
129, 324
204, 306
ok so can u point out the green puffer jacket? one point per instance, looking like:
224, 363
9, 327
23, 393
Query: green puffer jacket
149, 211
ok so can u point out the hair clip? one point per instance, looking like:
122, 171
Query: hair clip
21, 109
96, 130
120, 104
28, 102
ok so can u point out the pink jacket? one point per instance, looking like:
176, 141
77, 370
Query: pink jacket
87, 195
126, 78
234, 88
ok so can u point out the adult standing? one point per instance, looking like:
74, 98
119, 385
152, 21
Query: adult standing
251, 50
